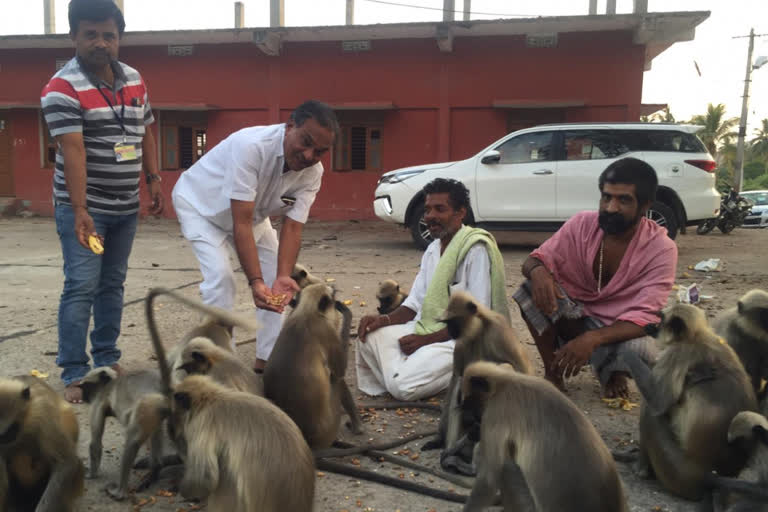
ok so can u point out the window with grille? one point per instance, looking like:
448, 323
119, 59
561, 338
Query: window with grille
184, 139
358, 148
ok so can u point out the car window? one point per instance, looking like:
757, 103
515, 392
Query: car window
760, 199
593, 145
529, 147
662, 140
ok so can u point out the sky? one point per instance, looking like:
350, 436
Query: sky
673, 78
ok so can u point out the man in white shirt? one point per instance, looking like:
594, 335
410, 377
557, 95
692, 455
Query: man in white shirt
404, 352
226, 198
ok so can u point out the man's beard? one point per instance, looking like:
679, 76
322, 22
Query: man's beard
615, 223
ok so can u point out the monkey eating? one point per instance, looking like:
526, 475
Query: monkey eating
481, 335
241, 452
389, 296
134, 399
305, 373
535, 446
745, 328
39, 466
690, 397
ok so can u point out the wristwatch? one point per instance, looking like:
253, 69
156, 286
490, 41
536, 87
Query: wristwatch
153, 177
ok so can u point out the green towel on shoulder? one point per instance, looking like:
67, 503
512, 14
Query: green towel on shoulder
438, 290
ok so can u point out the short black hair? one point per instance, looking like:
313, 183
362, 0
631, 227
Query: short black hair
632, 171
458, 194
94, 10
321, 112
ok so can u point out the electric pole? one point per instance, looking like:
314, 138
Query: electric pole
739, 170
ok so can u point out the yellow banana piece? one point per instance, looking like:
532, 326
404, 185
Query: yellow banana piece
95, 244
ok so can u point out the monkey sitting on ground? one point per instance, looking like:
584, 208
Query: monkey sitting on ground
302, 276
202, 357
39, 466
389, 296
690, 397
134, 399
745, 328
243, 452
481, 335
535, 446
305, 372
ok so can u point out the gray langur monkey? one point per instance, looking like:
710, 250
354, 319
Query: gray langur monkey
481, 335
134, 399
243, 452
39, 466
202, 357
302, 276
389, 296
535, 446
690, 397
753, 428
305, 372
745, 328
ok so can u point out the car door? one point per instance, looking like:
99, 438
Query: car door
583, 157
520, 185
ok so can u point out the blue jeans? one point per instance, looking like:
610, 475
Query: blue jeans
92, 281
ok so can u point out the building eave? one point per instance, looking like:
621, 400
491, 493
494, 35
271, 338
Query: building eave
657, 31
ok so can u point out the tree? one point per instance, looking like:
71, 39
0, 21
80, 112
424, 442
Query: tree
754, 169
716, 127
759, 145
759, 183
664, 116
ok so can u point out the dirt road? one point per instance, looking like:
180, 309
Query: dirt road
358, 256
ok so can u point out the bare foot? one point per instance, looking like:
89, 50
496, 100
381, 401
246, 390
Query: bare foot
616, 387
557, 381
73, 393
118, 369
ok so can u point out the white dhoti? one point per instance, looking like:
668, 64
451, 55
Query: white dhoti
382, 366
212, 247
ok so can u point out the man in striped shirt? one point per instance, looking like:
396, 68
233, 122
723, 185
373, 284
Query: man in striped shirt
97, 109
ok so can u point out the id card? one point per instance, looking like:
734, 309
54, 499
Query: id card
125, 152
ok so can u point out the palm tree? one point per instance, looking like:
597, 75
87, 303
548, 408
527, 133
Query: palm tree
716, 127
759, 145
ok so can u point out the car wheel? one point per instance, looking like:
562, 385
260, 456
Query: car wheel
706, 226
664, 216
419, 230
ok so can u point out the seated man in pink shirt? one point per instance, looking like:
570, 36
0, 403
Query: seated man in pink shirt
593, 287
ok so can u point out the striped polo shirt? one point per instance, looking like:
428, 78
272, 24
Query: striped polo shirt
72, 103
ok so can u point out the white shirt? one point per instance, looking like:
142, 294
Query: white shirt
473, 276
248, 166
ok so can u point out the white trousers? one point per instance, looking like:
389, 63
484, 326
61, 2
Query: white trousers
382, 366
212, 247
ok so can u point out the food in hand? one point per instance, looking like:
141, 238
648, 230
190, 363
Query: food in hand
94, 242
276, 300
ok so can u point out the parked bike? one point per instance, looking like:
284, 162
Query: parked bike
733, 210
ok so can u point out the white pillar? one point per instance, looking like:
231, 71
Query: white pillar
239, 15
610, 7
350, 19
449, 7
49, 16
467, 9
276, 13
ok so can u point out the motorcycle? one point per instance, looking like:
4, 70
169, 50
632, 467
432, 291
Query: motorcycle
733, 210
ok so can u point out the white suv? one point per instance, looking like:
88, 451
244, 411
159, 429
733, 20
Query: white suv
535, 179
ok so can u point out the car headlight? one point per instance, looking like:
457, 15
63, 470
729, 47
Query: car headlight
398, 176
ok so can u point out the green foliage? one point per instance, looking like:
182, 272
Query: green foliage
754, 169
717, 129
759, 183
759, 145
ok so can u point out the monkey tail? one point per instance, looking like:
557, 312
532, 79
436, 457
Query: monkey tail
162, 360
346, 469
752, 490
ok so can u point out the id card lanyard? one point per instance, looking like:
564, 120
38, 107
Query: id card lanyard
120, 117
124, 152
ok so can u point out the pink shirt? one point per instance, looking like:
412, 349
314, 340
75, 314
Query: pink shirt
641, 284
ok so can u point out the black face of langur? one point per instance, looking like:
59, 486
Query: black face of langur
459, 316
14, 399
678, 323
389, 292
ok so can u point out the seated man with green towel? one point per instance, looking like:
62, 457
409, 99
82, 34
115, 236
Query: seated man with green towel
408, 352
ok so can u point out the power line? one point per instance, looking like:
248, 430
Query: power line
454, 10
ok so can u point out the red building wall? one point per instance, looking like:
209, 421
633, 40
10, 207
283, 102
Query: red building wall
443, 100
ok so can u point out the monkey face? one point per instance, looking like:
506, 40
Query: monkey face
385, 304
754, 307
679, 323
14, 400
197, 356
460, 316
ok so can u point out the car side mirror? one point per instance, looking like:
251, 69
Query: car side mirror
491, 157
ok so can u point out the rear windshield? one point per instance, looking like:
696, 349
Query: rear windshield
759, 198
